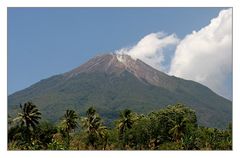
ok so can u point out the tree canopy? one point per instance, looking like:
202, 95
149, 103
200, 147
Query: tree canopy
174, 127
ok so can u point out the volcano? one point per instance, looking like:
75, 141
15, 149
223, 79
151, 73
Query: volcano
114, 82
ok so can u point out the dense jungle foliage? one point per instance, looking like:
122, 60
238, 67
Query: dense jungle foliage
172, 128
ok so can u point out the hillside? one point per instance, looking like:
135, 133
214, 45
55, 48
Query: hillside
112, 83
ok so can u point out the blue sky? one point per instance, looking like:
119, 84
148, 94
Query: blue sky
46, 41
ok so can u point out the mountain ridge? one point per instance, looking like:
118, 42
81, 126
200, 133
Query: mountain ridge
113, 82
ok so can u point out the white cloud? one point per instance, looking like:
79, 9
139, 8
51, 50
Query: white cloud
150, 49
205, 56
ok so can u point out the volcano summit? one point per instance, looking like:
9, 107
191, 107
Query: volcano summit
113, 82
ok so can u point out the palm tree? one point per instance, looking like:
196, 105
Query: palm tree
28, 118
93, 127
180, 119
178, 129
68, 123
10, 121
29, 115
125, 122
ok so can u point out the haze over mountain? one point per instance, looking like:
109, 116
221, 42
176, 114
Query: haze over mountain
113, 82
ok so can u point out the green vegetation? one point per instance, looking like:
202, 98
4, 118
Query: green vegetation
68, 124
95, 131
111, 93
172, 128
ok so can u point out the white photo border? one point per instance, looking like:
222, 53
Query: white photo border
235, 4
